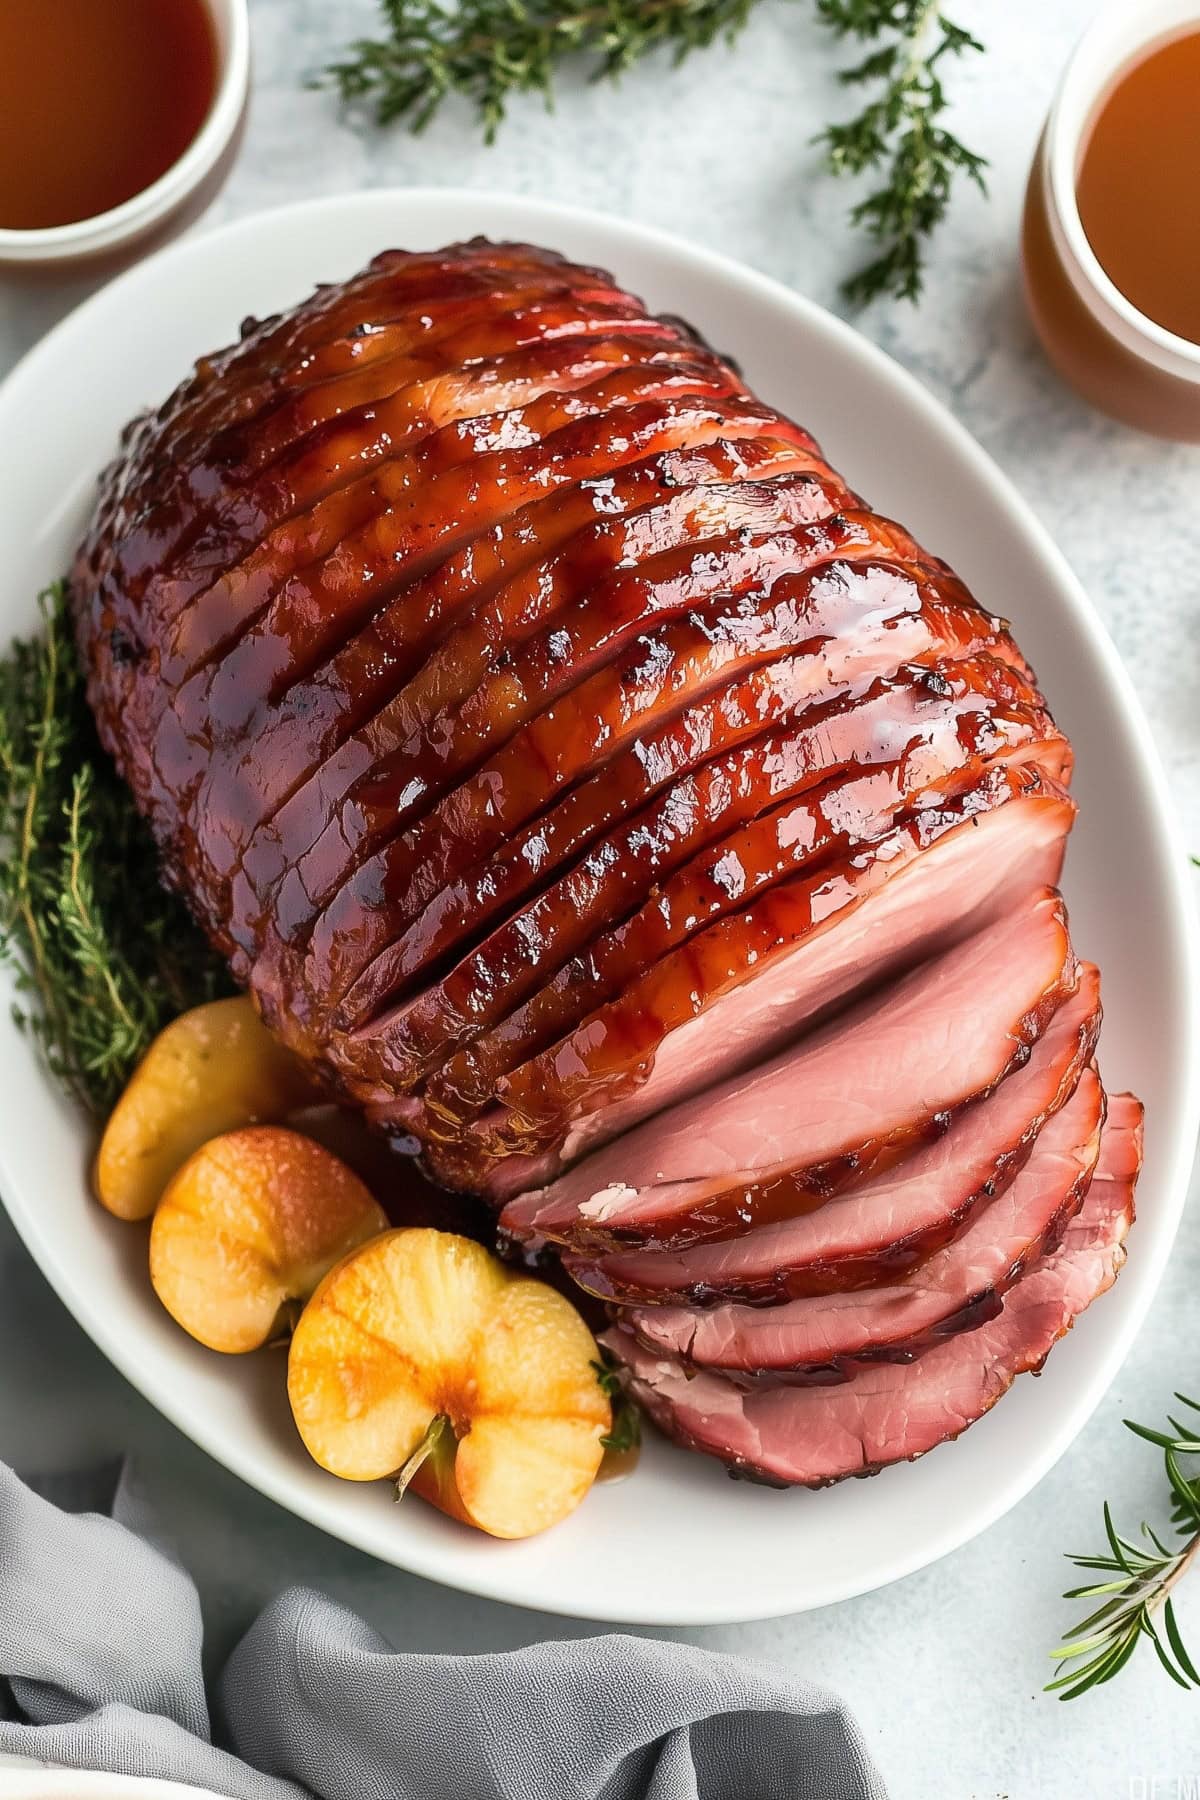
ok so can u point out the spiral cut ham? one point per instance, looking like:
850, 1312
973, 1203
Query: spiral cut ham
595, 791
893, 1412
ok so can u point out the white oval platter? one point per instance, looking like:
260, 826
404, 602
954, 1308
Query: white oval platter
679, 1543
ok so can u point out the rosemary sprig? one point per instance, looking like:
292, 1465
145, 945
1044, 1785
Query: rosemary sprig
105, 955
489, 50
898, 135
1135, 1598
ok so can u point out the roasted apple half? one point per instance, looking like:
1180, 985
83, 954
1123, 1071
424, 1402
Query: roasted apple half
424, 1358
247, 1228
210, 1070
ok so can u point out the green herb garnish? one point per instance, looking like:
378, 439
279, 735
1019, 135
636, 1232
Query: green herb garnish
487, 51
105, 954
899, 135
626, 1433
1137, 1579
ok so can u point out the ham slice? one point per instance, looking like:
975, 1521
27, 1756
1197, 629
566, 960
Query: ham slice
959, 1286
895, 1412
880, 1228
874, 1081
745, 987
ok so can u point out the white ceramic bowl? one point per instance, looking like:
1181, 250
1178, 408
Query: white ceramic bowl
135, 218
678, 1543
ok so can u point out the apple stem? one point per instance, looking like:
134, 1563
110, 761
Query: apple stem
431, 1438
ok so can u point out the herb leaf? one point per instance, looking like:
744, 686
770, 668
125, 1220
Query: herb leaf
105, 955
626, 1433
487, 51
1141, 1576
898, 135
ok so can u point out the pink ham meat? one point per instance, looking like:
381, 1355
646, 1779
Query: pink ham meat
744, 988
881, 1228
959, 1286
895, 1412
891, 1071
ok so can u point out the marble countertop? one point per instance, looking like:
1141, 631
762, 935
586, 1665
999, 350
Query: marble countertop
944, 1669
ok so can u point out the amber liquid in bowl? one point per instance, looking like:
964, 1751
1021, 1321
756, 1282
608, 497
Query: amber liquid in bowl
98, 98
1137, 188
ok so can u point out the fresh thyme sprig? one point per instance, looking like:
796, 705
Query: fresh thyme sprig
899, 135
626, 1433
489, 50
1135, 1598
105, 955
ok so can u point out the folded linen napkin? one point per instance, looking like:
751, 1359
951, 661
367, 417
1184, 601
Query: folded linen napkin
100, 1640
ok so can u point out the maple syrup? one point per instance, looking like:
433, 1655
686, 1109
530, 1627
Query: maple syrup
1111, 234
1138, 186
98, 98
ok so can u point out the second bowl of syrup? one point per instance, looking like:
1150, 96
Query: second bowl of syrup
113, 114
1111, 239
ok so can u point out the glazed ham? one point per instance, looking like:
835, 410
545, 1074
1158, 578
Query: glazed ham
746, 986
888, 1072
895, 1412
960, 1282
601, 796
777, 1241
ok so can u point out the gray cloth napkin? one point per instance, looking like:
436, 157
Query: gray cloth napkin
100, 1638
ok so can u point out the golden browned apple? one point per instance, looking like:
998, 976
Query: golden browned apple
247, 1228
212, 1069
424, 1358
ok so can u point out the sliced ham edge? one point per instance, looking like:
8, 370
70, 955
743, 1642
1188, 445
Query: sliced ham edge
936, 878
896, 1412
893, 1068
883, 1226
958, 1287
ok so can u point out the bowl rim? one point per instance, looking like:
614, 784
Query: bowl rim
230, 23
497, 1578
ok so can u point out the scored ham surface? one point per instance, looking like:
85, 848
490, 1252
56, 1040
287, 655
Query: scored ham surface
746, 986
600, 795
855, 763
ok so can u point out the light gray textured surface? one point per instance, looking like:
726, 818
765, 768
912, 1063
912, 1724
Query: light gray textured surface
945, 1668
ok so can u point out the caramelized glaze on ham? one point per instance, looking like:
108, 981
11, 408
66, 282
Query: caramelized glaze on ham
574, 767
